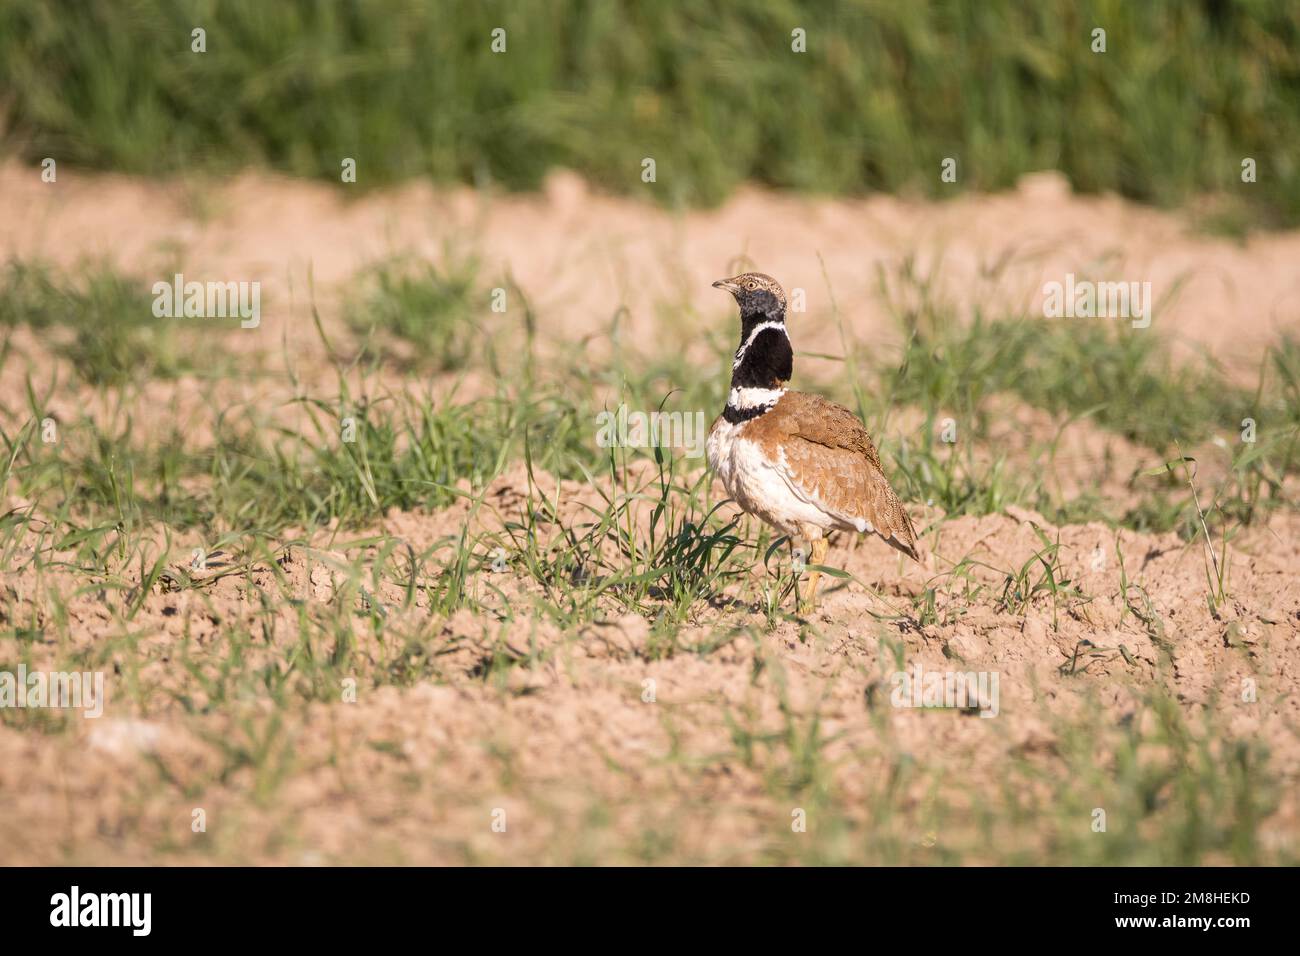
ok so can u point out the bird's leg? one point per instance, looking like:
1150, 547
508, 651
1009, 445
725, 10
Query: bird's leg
819, 547
798, 558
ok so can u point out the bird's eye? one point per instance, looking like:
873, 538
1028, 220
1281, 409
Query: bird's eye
751, 285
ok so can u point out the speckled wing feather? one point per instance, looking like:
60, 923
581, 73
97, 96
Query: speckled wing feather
831, 461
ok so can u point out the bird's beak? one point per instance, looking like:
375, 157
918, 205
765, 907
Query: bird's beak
728, 285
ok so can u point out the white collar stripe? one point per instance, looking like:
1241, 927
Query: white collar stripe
743, 399
758, 330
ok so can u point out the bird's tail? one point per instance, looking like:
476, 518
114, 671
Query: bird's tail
905, 538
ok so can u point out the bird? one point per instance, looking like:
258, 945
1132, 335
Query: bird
798, 461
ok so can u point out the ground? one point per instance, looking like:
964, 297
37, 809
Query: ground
473, 635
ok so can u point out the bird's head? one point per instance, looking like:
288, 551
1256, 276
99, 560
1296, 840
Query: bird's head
755, 293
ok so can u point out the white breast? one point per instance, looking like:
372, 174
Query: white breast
762, 486
718, 450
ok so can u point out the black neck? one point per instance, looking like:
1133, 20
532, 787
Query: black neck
753, 318
768, 360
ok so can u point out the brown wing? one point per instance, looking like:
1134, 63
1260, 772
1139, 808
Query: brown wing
832, 460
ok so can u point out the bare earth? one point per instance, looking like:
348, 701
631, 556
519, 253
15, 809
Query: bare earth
603, 745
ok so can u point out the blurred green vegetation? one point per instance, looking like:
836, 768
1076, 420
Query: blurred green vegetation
428, 307
102, 322
886, 90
